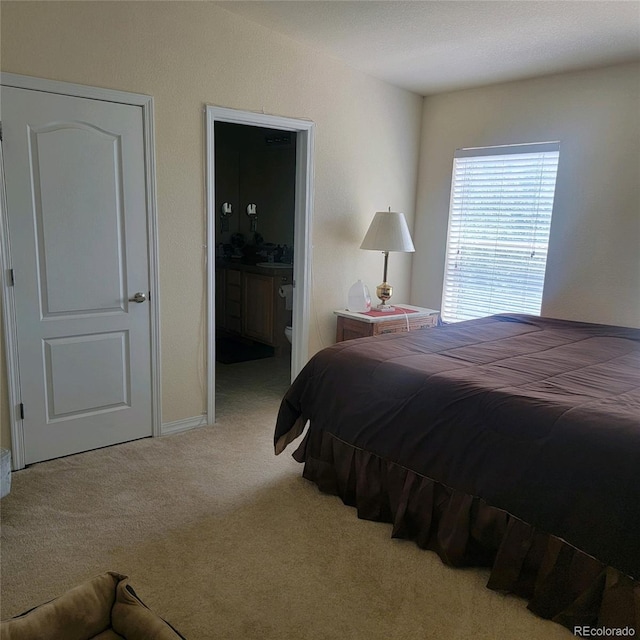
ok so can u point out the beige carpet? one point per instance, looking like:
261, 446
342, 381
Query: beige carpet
225, 540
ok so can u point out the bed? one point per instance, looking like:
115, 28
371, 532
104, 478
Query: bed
511, 442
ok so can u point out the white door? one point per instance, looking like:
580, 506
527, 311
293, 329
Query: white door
77, 216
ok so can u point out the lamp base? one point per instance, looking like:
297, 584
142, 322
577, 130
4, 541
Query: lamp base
384, 291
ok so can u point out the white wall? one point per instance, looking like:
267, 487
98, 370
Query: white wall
593, 268
188, 54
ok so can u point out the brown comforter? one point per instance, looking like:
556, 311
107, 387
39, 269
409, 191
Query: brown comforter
537, 417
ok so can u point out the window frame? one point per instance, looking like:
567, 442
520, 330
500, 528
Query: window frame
457, 213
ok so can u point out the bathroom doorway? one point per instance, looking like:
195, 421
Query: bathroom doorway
259, 207
255, 174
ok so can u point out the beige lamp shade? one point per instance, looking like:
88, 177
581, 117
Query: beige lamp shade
388, 231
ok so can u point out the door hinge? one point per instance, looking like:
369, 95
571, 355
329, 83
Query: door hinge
0, 130
21, 411
12, 280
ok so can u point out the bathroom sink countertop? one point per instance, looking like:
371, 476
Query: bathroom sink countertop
261, 267
274, 265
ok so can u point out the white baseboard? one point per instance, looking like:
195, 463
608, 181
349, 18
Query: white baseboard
183, 425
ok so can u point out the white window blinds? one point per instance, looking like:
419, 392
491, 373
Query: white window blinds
499, 221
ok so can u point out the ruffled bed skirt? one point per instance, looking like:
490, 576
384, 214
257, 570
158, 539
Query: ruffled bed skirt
561, 583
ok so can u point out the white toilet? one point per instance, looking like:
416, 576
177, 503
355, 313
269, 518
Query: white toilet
287, 332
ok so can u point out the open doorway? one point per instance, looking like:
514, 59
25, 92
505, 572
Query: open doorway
255, 175
259, 174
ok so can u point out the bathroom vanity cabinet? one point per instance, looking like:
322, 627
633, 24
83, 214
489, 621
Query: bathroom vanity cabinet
248, 303
258, 307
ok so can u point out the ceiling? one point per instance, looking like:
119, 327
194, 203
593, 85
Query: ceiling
431, 46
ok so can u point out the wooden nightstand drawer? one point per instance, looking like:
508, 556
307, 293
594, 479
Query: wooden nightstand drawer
404, 324
349, 329
351, 325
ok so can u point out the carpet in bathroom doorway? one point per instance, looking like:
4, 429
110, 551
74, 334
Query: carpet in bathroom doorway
230, 350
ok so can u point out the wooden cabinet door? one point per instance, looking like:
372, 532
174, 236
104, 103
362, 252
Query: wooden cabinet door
233, 300
221, 294
257, 308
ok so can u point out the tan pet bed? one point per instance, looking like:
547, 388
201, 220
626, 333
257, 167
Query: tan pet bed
105, 608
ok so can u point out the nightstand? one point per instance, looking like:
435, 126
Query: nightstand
352, 324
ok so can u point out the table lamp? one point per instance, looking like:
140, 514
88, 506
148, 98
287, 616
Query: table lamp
388, 231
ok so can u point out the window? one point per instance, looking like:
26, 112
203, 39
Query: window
499, 221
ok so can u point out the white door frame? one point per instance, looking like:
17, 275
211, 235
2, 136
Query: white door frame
305, 130
8, 303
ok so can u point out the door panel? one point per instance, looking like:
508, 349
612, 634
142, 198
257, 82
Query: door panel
66, 213
80, 387
76, 204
